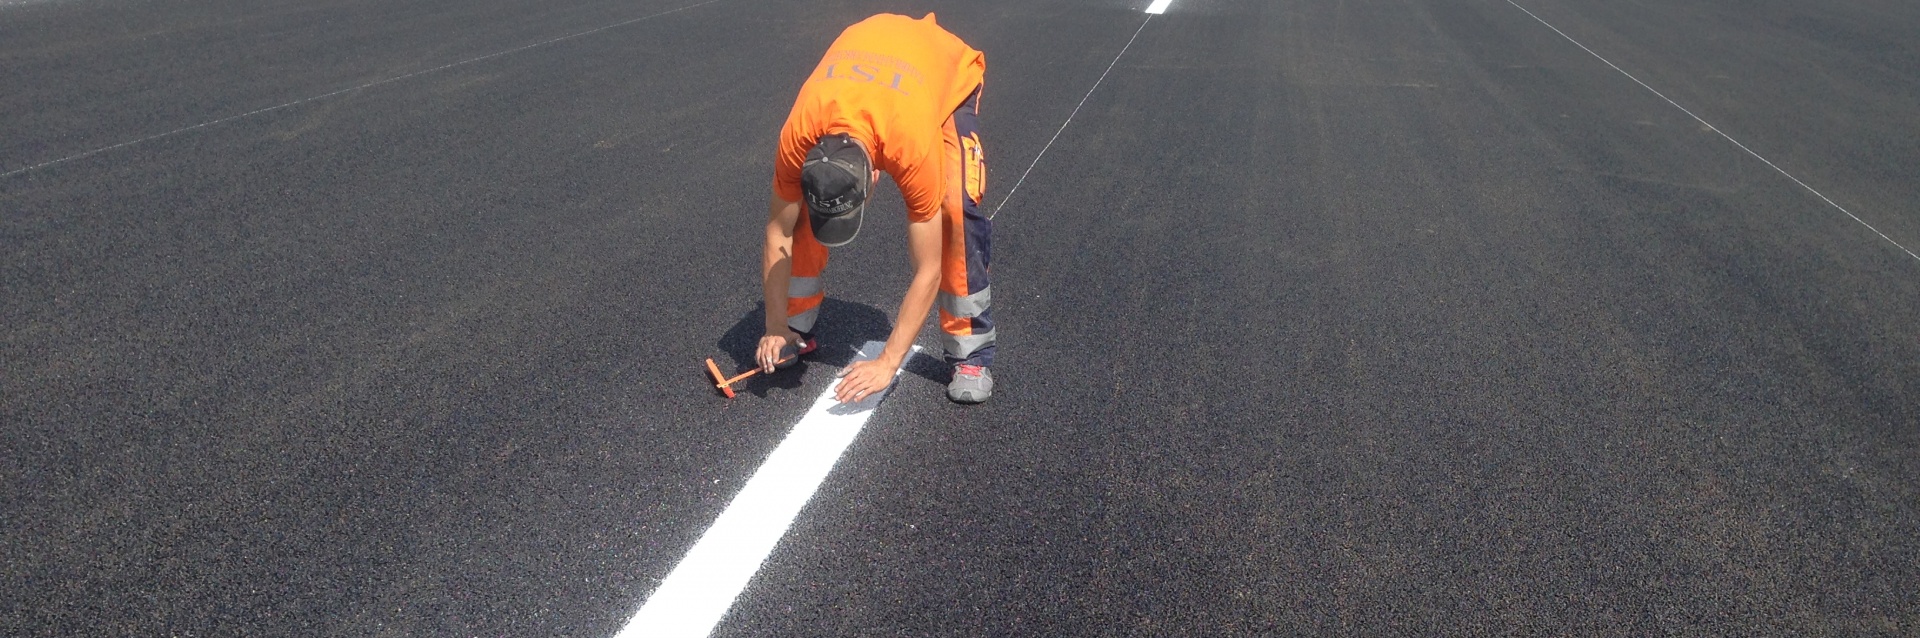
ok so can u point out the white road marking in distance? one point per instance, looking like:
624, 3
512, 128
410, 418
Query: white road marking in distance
699, 590
1158, 6
1716, 129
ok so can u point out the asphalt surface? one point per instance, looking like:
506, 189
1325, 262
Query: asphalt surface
1376, 317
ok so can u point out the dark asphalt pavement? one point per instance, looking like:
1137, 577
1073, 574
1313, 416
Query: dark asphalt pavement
1376, 317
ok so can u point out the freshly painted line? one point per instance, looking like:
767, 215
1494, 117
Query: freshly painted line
1716, 129
1063, 125
697, 593
368, 85
1159, 6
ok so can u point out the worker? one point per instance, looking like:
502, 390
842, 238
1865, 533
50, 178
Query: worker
900, 96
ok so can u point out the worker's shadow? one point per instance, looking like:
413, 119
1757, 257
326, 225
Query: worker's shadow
843, 327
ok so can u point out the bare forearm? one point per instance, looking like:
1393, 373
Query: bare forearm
776, 263
775, 270
923, 247
913, 314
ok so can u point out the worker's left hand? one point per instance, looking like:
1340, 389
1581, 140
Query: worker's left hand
864, 378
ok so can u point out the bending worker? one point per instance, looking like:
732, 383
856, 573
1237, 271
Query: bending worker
898, 95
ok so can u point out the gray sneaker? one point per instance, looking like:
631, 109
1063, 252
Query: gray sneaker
971, 384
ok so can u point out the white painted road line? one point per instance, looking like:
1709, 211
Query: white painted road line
698, 592
1158, 6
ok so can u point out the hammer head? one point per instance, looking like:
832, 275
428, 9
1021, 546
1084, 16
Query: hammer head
719, 380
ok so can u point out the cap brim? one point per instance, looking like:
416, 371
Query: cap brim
837, 230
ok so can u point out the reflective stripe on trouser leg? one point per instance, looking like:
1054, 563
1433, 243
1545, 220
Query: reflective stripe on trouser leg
798, 286
966, 299
969, 306
803, 322
805, 292
963, 347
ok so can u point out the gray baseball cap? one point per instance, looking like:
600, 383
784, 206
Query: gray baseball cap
835, 181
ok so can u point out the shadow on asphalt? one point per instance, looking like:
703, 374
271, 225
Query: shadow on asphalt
842, 328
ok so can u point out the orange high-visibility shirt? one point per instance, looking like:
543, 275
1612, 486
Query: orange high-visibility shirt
890, 81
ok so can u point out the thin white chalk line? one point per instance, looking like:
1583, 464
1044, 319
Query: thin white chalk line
368, 85
1716, 129
1063, 125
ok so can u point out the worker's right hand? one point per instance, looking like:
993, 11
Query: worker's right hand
770, 346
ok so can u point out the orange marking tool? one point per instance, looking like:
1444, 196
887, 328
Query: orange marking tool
725, 383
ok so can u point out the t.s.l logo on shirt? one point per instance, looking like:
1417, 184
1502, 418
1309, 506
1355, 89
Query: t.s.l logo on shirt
872, 68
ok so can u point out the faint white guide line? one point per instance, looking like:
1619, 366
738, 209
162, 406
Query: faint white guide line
1716, 129
1063, 125
368, 85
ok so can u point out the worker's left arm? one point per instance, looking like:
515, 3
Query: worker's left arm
864, 378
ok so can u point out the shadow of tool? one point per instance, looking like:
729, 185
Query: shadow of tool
843, 327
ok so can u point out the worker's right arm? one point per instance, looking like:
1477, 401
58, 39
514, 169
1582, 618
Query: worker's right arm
776, 267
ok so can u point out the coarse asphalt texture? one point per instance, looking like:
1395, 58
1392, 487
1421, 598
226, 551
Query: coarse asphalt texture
1370, 317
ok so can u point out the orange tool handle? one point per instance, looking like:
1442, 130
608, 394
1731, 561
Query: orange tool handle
746, 374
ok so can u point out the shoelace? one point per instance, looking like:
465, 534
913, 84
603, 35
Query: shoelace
969, 370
